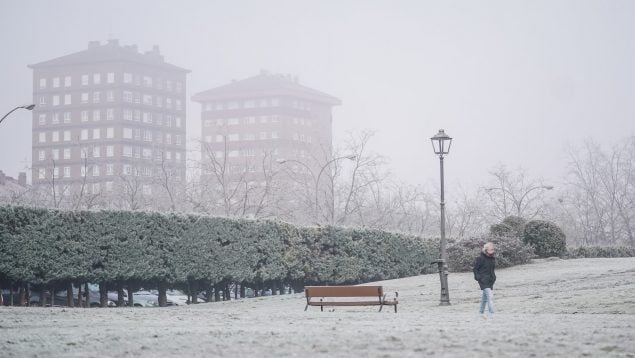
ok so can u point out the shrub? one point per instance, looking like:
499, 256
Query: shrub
546, 238
510, 226
510, 251
600, 251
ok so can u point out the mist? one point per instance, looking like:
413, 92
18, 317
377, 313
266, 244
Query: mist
512, 82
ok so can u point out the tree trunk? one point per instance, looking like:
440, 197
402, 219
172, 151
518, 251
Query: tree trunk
226, 292
80, 301
120, 296
242, 290
70, 302
42, 302
274, 288
216, 293
86, 295
194, 292
163, 299
130, 296
103, 294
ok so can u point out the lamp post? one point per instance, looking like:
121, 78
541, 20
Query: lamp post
317, 178
441, 143
26, 106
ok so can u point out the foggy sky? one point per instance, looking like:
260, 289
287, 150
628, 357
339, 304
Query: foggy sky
512, 82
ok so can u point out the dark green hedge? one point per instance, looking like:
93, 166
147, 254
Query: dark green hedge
51, 247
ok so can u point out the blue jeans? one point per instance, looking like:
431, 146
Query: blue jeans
487, 299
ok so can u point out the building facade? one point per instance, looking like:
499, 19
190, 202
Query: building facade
109, 127
256, 128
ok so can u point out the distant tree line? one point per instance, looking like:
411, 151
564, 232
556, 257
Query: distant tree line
125, 249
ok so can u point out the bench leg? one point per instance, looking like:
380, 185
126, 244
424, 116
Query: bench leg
305, 307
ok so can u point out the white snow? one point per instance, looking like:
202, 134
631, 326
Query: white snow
561, 308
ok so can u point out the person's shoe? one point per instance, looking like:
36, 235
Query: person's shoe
483, 316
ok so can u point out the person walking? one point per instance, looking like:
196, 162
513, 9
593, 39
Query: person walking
484, 274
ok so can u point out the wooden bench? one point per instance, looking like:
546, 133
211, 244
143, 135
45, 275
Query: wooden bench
354, 292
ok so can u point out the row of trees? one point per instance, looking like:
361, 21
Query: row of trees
137, 249
594, 203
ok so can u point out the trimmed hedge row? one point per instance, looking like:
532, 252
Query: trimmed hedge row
52, 247
600, 252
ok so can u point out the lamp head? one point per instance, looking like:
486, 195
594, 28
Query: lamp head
28, 106
441, 143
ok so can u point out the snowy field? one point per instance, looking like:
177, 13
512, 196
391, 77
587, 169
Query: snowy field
559, 308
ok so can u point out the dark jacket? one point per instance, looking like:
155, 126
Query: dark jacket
484, 271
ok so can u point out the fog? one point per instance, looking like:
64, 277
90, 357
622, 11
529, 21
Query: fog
513, 82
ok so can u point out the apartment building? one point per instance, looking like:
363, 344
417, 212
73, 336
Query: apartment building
263, 119
109, 121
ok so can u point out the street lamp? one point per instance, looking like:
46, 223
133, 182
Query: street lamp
26, 106
441, 143
518, 202
317, 179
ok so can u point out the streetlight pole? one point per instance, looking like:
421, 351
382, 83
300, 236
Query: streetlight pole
317, 179
26, 106
441, 143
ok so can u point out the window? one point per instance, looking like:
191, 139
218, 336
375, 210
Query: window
177, 139
110, 77
220, 138
168, 138
159, 101
42, 101
177, 104
110, 96
233, 121
84, 97
67, 81
127, 96
55, 154
177, 122
108, 183
96, 151
168, 103
137, 115
127, 151
96, 115
110, 150
110, 132
67, 99
83, 153
147, 153
96, 174
147, 136
137, 133
263, 135
42, 119
67, 136
84, 80
137, 97
168, 85
41, 155
96, 97
56, 118
147, 117
249, 136
84, 135
233, 137
179, 87
67, 172
127, 133
127, 169
42, 82
147, 190
147, 81
56, 172
208, 139
96, 78
42, 137
55, 136
206, 123
67, 153
127, 77
56, 100
67, 117
110, 114
177, 156
41, 173
56, 82
249, 104
274, 135
168, 155
127, 114
110, 170
84, 116
147, 99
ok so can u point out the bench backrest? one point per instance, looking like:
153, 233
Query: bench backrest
343, 291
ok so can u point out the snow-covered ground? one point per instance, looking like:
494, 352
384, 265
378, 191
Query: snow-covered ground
563, 308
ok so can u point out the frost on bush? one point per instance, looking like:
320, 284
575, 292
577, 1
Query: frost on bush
601, 251
510, 226
510, 251
546, 238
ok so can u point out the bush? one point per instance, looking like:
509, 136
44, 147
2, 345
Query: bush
510, 251
600, 251
510, 226
546, 238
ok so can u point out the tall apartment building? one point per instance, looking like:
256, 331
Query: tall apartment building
109, 122
262, 119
